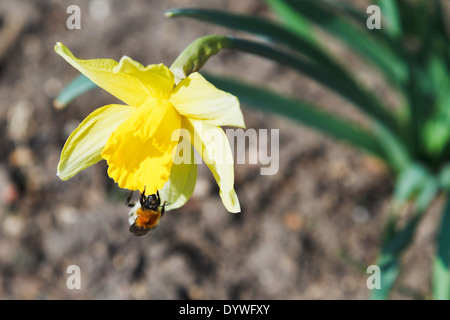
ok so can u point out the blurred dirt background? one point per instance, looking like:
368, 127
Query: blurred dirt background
308, 232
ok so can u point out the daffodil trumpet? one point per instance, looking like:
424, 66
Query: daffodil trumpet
145, 140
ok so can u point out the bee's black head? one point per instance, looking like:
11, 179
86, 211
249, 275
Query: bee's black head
150, 202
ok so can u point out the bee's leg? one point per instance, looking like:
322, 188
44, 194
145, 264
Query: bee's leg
142, 198
162, 207
129, 199
158, 198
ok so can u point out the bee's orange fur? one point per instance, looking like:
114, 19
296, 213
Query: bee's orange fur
147, 218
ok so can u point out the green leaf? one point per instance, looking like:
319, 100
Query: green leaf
436, 133
365, 99
292, 20
360, 99
395, 240
327, 123
441, 262
262, 27
394, 149
396, 153
197, 53
418, 18
389, 258
370, 44
427, 195
391, 17
77, 87
410, 182
444, 177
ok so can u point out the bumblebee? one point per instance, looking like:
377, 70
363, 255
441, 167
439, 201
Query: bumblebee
145, 214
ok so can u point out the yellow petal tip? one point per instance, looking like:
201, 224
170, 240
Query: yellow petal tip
58, 104
168, 14
61, 177
58, 46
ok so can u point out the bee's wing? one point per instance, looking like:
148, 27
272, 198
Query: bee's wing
132, 215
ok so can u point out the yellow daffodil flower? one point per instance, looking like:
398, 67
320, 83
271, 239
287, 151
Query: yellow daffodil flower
140, 140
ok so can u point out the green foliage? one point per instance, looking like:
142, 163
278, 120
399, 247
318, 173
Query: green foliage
300, 111
74, 89
411, 52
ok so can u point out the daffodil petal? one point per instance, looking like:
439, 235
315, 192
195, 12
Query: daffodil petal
157, 79
84, 145
180, 186
139, 152
212, 143
127, 79
196, 98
